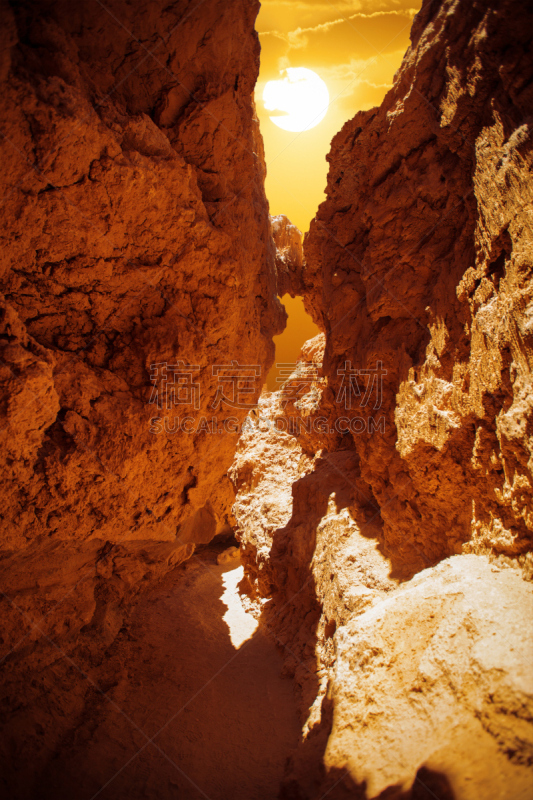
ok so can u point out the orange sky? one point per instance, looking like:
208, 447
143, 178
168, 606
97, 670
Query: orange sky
355, 46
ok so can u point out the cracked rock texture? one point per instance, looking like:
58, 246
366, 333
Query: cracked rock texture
384, 501
440, 674
130, 238
135, 232
409, 689
420, 259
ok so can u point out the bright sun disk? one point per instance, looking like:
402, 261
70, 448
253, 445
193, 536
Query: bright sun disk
300, 97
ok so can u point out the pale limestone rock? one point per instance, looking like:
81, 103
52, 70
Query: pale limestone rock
439, 675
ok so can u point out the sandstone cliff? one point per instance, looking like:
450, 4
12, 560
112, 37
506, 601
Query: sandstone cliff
384, 499
421, 259
131, 239
135, 234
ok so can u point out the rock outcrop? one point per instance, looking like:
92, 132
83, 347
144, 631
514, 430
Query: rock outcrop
137, 275
384, 494
419, 266
439, 674
410, 688
132, 240
289, 256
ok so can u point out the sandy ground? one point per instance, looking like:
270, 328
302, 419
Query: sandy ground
198, 679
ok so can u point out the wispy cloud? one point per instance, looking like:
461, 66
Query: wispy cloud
298, 38
354, 69
309, 6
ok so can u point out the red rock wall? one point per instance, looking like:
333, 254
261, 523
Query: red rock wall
135, 231
420, 259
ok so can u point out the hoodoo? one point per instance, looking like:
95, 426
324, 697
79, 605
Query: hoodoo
372, 636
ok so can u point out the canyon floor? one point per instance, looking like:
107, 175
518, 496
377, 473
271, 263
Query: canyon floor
193, 714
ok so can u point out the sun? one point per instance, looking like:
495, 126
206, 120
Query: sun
300, 97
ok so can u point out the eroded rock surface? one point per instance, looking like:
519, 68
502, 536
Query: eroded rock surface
131, 239
135, 234
419, 261
289, 256
384, 494
409, 688
384, 504
222, 720
448, 648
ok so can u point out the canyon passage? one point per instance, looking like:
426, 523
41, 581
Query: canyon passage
211, 589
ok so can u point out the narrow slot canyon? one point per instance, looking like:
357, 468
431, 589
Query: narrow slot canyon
266, 327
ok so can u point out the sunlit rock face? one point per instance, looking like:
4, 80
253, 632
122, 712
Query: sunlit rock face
438, 677
387, 537
406, 687
420, 259
289, 256
135, 234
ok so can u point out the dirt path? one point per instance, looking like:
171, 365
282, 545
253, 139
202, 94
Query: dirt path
223, 719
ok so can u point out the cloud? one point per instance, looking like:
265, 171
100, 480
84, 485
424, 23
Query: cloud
353, 69
309, 6
298, 39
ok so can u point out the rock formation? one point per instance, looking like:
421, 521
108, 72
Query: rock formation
289, 256
131, 240
420, 260
384, 495
136, 257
